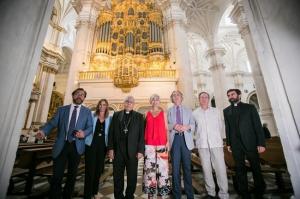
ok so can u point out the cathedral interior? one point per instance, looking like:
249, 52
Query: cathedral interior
116, 48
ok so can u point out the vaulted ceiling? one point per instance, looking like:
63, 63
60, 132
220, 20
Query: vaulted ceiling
204, 16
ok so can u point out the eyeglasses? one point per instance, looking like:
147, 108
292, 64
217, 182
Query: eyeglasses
79, 94
129, 102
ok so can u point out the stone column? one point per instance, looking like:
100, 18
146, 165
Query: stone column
201, 74
178, 46
275, 31
56, 30
46, 92
23, 29
201, 80
238, 16
217, 68
238, 77
32, 103
85, 26
49, 67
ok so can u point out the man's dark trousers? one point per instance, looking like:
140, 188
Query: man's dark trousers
68, 154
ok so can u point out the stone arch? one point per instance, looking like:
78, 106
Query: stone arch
252, 99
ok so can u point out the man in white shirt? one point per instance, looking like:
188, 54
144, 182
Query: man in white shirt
209, 127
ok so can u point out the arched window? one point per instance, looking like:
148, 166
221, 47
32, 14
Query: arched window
213, 102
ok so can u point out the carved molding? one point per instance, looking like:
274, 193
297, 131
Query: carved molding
35, 94
215, 52
216, 67
76, 5
238, 16
56, 26
50, 60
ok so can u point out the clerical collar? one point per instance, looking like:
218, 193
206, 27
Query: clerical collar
127, 112
237, 103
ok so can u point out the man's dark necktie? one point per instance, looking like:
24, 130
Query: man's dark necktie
72, 124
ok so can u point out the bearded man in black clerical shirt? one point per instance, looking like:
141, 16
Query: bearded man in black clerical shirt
126, 146
245, 139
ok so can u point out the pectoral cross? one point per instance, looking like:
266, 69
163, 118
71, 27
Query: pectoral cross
125, 131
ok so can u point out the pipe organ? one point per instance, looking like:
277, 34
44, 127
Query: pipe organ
129, 43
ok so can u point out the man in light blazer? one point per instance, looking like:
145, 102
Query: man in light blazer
181, 126
73, 122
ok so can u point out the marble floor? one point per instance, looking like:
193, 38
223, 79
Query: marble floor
41, 186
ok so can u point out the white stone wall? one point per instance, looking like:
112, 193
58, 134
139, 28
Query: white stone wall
105, 89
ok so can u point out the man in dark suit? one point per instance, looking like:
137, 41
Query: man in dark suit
73, 122
245, 139
126, 146
266, 131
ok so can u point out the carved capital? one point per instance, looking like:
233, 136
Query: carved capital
238, 16
216, 67
80, 23
89, 12
215, 52
172, 12
50, 60
50, 69
35, 94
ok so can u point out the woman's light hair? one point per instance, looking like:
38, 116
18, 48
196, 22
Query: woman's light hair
152, 97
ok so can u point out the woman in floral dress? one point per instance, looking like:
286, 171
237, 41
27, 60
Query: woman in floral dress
156, 167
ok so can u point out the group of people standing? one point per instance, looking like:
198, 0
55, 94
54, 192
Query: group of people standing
128, 136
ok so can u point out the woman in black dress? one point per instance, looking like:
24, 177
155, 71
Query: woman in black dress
95, 150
